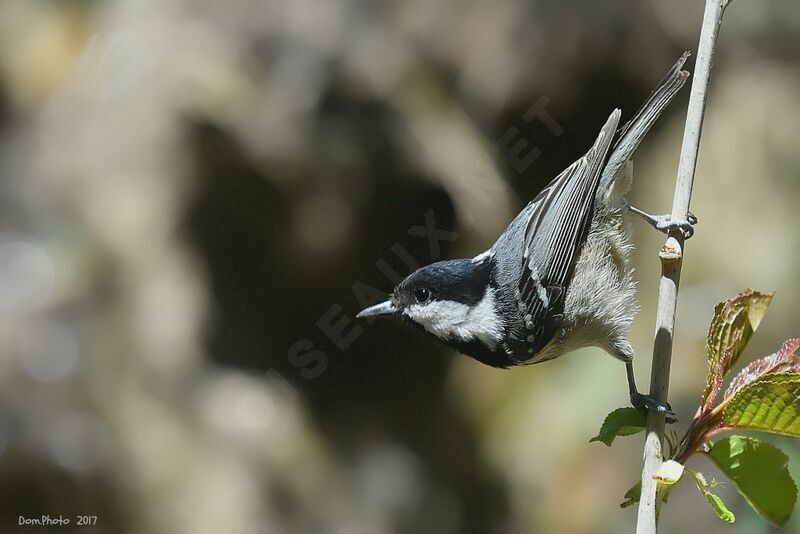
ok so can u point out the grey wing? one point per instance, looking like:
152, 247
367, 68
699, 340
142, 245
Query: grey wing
557, 227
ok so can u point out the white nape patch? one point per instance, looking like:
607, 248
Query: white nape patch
447, 319
480, 258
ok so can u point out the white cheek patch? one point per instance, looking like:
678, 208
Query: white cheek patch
440, 317
447, 319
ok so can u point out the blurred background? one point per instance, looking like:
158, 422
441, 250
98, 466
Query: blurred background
197, 197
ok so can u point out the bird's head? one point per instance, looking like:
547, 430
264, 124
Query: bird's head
453, 300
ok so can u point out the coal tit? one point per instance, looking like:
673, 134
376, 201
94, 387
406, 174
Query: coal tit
559, 278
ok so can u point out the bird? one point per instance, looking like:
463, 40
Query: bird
559, 278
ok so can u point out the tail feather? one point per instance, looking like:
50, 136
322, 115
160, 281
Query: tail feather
635, 129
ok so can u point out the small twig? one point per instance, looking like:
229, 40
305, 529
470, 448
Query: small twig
671, 259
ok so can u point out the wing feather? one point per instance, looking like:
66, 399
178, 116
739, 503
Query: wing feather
555, 232
635, 129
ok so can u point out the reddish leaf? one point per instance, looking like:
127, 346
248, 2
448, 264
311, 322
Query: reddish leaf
717, 377
736, 320
783, 361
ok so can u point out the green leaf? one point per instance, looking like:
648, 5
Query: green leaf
632, 496
770, 404
760, 473
719, 507
717, 504
621, 422
733, 324
669, 473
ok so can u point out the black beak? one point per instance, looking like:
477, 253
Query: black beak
384, 308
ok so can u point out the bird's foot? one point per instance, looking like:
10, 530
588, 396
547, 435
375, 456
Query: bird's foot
666, 224
645, 403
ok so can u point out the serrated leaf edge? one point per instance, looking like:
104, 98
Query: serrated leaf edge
760, 382
752, 505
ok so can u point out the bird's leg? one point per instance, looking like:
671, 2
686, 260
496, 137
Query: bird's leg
643, 403
664, 223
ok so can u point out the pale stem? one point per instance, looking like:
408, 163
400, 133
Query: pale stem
671, 258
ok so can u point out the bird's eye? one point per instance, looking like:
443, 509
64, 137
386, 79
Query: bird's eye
422, 295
